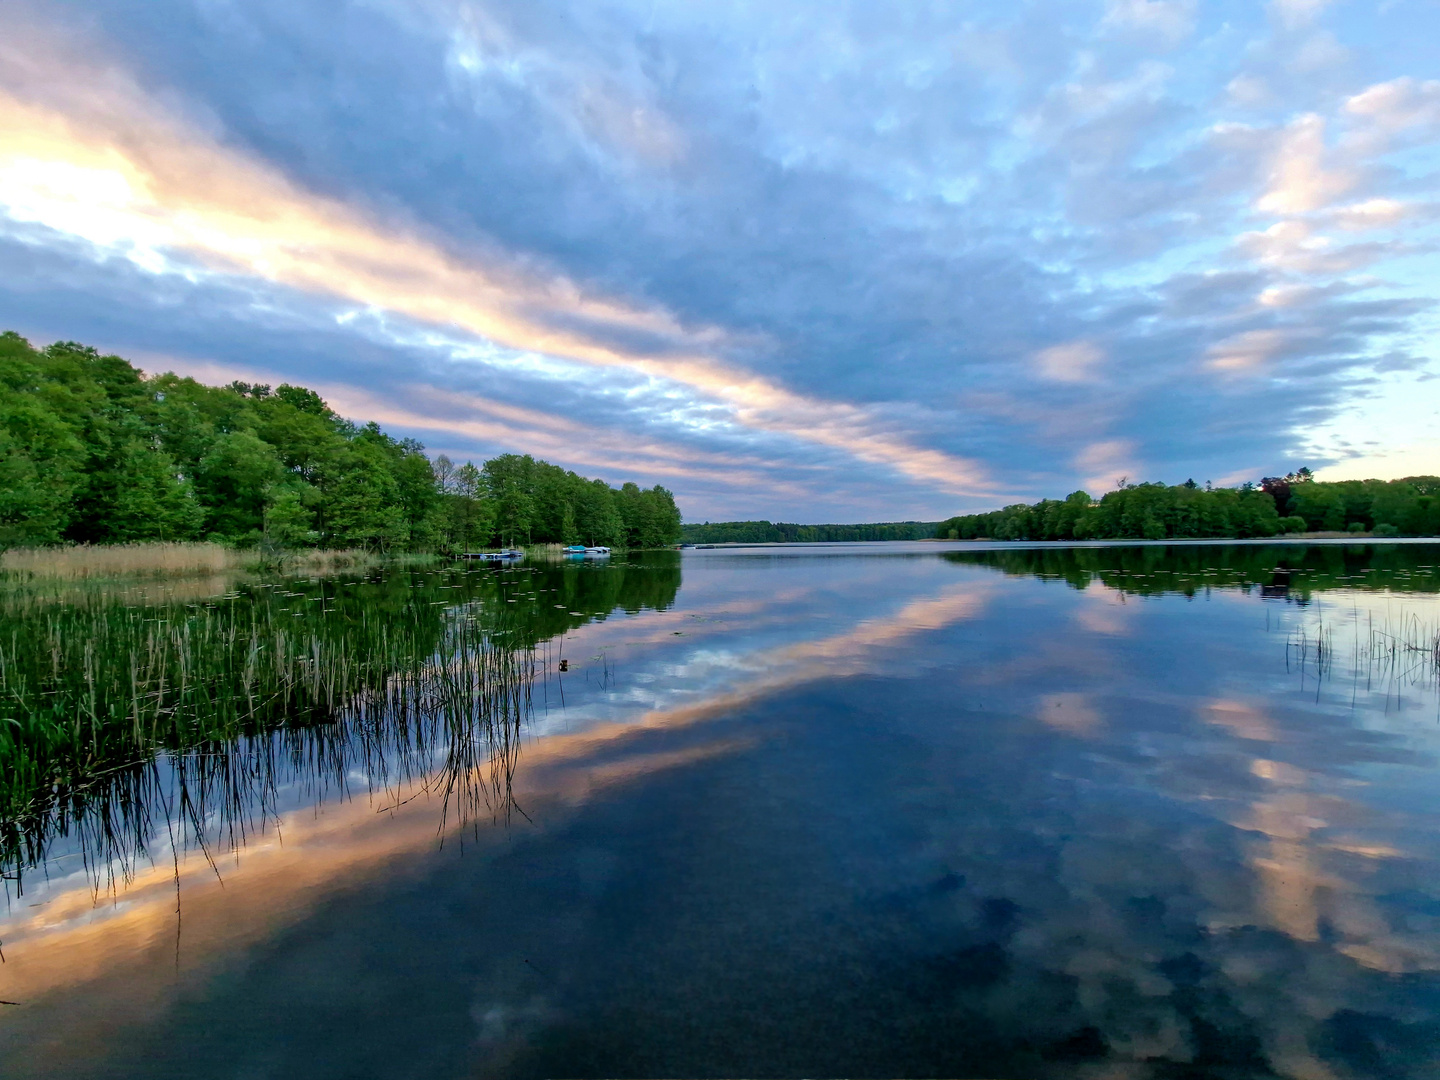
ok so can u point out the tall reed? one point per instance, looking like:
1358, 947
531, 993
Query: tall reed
119, 717
122, 560
121, 563
88, 693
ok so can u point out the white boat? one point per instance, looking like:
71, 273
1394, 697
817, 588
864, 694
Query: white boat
597, 552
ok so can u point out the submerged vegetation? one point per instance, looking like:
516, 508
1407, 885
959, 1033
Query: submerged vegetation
93, 451
1291, 504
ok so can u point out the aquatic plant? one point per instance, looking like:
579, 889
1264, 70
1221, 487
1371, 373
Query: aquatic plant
115, 563
1405, 651
81, 561
88, 692
119, 718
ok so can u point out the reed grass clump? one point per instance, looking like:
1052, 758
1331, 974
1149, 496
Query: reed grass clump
129, 711
123, 562
90, 695
86, 561
331, 560
1407, 647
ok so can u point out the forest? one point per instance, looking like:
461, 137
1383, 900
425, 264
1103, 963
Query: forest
1295, 503
92, 450
768, 532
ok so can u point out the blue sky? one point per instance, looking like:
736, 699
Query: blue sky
804, 261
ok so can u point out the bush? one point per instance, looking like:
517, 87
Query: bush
1385, 529
1356, 527
1292, 524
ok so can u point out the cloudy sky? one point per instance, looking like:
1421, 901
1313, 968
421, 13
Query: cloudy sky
809, 261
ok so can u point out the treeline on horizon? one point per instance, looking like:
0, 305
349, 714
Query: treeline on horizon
1295, 503
769, 532
94, 451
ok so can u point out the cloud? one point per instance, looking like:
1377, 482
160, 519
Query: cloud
891, 267
1418, 458
1293, 14
1248, 351
1299, 179
165, 189
1399, 104
1296, 246
1248, 90
1171, 21
1371, 214
1073, 362
1106, 462
614, 115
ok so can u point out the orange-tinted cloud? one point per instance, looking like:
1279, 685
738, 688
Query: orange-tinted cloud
95, 157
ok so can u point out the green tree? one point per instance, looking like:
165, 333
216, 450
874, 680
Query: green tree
93, 450
420, 501
234, 481
469, 515
153, 501
362, 501
508, 483
41, 454
288, 520
1321, 505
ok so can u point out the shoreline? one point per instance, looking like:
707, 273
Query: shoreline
1251, 541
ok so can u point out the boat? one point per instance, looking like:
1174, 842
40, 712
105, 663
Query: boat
502, 556
597, 552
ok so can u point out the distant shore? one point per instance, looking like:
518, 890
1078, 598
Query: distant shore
1288, 538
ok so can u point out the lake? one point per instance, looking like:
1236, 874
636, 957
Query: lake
832, 810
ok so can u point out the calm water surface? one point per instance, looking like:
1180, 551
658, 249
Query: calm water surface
851, 810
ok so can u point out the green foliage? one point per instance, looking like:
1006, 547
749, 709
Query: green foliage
42, 454
1159, 512
288, 520
535, 502
92, 451
765, 532
235, 478
649, 518
153, 500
